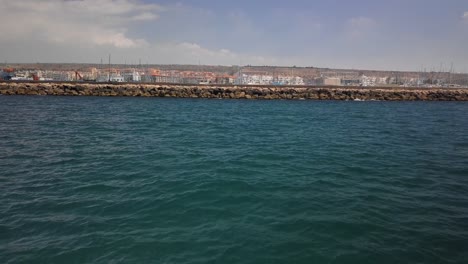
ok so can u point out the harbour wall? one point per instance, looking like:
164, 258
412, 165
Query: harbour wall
235, 91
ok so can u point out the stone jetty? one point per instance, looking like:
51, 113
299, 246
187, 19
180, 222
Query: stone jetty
235, 91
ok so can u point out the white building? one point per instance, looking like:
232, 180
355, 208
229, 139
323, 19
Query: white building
57, 75
254, 79
258, 79
332, 81
368, 81
117, 78
132, 76
297, 81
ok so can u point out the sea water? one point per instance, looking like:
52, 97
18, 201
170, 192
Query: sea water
148, 180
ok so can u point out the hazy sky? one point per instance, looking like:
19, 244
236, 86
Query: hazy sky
380, 34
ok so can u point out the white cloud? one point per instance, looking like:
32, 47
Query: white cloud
357, 27
145, 16
196, 50
91, 22
87, 30
359, 22
187, 52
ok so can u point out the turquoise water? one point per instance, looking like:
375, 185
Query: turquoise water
147, 180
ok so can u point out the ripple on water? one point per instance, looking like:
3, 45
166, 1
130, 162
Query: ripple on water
98, 180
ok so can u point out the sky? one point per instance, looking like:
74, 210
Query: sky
358, 34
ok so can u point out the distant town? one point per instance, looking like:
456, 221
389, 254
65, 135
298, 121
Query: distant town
235, 75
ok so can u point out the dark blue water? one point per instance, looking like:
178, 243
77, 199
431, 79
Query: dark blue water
134, 180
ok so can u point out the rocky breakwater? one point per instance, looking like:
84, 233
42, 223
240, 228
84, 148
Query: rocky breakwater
235, 92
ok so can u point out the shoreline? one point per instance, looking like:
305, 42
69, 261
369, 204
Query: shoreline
343, 93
